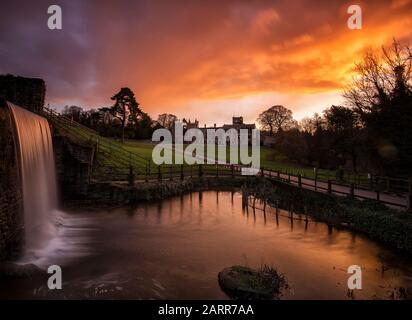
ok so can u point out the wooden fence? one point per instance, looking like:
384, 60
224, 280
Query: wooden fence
332, 187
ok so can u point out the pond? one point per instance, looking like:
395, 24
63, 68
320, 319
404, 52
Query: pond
174, 249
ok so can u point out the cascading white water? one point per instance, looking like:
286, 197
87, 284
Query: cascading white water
38, 178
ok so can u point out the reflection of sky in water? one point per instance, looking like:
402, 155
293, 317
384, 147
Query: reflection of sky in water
175, 249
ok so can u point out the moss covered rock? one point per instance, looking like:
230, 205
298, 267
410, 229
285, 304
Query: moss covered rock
240, 282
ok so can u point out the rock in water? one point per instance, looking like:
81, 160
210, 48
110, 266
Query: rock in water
240, 282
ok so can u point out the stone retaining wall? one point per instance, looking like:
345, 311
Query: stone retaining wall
11, 202
114, 194
73, 167
27, 92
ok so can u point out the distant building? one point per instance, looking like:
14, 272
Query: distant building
190, 125
237, 124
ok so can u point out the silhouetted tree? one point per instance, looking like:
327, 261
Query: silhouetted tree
342, 124
382, 97
166, 120
292, 143
276, 118
72, 112
144, 127
125, 108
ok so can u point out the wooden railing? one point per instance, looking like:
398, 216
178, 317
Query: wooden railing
400, 200
166, 173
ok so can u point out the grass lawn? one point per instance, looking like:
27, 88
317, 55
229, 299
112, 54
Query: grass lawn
269, 159
113, 153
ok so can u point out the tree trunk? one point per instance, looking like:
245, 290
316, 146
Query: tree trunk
123, 131
123, 121
354, 161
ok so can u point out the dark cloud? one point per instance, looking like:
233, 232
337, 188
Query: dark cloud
172, 53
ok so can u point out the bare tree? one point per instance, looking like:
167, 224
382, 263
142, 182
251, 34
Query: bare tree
276, 118
72, 112
377, 76
307, 125
167, 120
312, 124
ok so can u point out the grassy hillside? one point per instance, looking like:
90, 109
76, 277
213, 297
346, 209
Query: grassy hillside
269, 159
114, 157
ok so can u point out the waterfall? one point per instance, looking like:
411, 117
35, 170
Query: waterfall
38, 177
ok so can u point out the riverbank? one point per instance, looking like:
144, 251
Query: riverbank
371, 218
113, 194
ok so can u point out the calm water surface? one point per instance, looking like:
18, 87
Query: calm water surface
174, 250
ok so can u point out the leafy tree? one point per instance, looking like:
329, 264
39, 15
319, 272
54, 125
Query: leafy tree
126, 108
342, 124
292, 143
143, 128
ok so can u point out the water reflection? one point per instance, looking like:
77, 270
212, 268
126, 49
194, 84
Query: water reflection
174, 250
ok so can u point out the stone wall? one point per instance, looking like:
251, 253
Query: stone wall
73, 167
108, 194
27, 92
11, 202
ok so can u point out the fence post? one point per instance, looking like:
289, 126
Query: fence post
147, 174
409, 199
278, 174
233, 171
352, 190
300, 180
262, 172
159, 174
97, 147
329, 187
378, 194
200, 170
217, 171
131, 176
171, 172
181, 172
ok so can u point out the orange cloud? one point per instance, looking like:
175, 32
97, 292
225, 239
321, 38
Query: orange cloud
198, 58
264, 21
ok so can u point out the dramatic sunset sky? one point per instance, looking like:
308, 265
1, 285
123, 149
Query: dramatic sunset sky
201, 58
